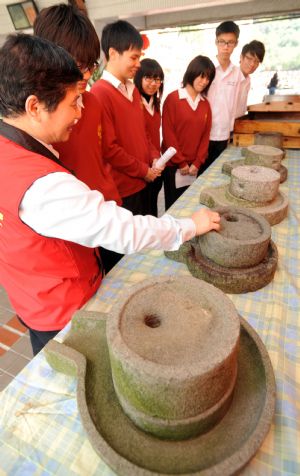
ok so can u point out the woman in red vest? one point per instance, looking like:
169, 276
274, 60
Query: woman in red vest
51, 223
149, 80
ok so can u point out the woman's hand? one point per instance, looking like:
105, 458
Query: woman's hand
206, 220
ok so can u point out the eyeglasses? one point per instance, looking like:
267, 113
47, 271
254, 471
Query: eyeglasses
252, 60
150, 79
227, 43
91, 68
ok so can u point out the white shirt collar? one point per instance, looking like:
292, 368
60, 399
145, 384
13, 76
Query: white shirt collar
125, 89
217, 65
148, 105
49, 147
183, 94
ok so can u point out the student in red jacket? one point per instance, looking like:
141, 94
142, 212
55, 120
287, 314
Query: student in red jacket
51, 223
186, 123
67, 27
82, 153
126, 145
149, 80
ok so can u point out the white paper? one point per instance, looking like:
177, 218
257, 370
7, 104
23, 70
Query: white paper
183, 180
165, 157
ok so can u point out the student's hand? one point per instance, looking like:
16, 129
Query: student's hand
193, 170
185, 170
159, 169
206, 220
151, 175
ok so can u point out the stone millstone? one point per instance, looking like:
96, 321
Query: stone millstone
242, 241
224, 450
273, 139
230, 280
227, 168
173, 348
264, 155
274, 212
254, 183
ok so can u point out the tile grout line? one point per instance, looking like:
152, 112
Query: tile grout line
12, 329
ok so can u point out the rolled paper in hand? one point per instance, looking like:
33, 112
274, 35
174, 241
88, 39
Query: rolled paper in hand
165, 157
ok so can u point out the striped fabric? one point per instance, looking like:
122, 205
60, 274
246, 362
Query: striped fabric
41, 432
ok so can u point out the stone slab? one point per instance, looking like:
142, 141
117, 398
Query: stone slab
220, 196
131, 452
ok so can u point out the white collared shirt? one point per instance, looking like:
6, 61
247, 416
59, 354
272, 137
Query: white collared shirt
125, 89
59, 205
242, 98
149, 106
193, 103
222, 96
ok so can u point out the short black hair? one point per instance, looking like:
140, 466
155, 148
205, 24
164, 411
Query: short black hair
121, 36
33, 66
199, 66
228, 27
152, 69
71, 29
255, 48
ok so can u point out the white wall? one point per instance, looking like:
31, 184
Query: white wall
151, 14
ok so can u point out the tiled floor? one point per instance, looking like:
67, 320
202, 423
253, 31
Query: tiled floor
15, 348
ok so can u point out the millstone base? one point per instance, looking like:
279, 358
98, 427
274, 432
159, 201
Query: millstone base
274, 211
228, 166
131, 452
229, 280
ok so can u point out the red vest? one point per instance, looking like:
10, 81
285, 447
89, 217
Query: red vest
47, 279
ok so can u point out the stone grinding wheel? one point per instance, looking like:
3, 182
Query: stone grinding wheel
224, 450
264, 155
242, 241
227, 168
254, 183
173, 359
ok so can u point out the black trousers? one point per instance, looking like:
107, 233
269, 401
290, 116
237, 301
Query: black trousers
215, 148
140, 203
38, 339
153, 190
171, 192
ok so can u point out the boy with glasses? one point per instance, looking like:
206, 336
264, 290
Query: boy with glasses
69, 28
222, 93
126, 145
252, 55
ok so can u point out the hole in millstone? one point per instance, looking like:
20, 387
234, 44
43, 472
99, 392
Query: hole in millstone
253, 170
152, 321
230, 217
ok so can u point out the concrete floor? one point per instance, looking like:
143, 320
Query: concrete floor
15, 348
